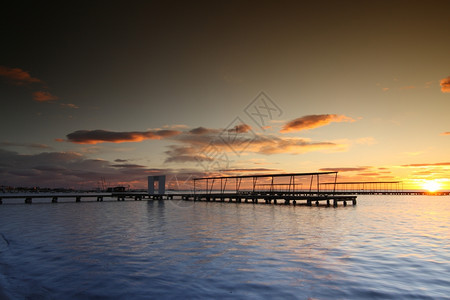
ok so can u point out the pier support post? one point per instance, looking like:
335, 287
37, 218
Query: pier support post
78, 199
28, 200
328, 202
345, 203
354, 201
55, 200
294, 202
99, 198
1, 201
317, 203
334, 203
308, 202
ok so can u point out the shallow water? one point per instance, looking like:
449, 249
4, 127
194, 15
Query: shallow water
386, 247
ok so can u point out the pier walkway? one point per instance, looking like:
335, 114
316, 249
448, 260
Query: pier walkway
269, 188
243, 197
293, 188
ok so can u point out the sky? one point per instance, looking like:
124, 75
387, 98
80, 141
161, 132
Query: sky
115, 91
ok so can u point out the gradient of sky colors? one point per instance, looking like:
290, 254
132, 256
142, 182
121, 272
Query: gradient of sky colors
125, 89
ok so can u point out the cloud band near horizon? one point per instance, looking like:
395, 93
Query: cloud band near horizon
104, 136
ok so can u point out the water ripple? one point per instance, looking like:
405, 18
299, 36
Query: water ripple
384, 248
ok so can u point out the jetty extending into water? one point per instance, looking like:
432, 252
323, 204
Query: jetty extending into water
270, 188
288, 189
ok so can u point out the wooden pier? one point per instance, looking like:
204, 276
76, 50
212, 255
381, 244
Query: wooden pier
294, 188
266, 189
99, 197
287, 199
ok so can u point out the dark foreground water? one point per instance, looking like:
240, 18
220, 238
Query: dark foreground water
386, 247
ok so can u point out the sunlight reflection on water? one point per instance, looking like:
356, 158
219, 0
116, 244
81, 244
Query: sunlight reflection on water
385, 247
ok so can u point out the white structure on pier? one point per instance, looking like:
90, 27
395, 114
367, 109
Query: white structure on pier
157, 183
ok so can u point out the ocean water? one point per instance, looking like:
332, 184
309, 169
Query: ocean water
385, 247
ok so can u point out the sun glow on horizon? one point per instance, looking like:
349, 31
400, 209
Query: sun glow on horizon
431, 185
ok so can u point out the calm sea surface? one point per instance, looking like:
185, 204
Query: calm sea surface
386, 247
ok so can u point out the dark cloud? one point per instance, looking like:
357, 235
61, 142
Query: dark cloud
445, 84
128, 166
120, 160
182, 154
241, 128
74, 170
198, 143
197, 147
26, 145
313, 121
202, 131
104, 136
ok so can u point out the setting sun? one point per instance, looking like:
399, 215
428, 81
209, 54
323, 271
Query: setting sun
431, 185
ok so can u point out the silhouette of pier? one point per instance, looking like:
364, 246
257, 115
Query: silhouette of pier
292, 188
270, 188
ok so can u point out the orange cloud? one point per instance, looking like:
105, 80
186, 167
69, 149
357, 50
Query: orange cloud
17, 76
357, 169
313, 121
428, 165
201, 144
43, 96
369, 174
446, 133
409, 87
103, 136
445, 85
292, 146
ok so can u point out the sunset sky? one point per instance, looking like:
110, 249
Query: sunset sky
125, 89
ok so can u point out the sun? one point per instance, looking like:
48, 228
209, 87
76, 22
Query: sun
431, 185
